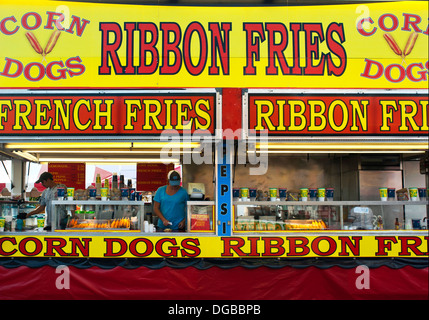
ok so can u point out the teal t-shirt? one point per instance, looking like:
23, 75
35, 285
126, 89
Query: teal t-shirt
172, 207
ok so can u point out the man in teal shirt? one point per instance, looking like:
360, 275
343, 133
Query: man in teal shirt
170, 204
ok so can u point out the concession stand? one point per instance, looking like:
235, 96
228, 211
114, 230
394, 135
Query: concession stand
300, 131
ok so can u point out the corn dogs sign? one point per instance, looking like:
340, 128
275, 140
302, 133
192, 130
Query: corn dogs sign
214, 247
85, 45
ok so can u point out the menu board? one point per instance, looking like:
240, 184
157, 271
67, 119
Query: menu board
70, 174
151, 176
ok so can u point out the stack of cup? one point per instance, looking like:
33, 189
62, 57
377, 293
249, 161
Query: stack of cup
321, 193
312, 192
422, 194
414, 194
273, 194
60, 193
383, 194
303, 192
282, 194
252, 194
244, 194
329, 194
391, 194
70, 193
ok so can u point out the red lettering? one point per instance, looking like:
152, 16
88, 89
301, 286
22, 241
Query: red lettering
361, 29
9, 62
394, 22
276, 49
232, 244
298, 246
411, 20
384, 243
367, 72
295, 28
23, 248
110, 49
221, 46
253, 246
190, 248
173, 250
199, 67
129, 28
313, 35
5, 30
80, 26
37, 22
273, 246
76, 243
148, 48
253, 45
346, 242
52, 20
56, 244
335, 48
110, 244
332, 246
11, 240
148, 245
168, 29
410, 243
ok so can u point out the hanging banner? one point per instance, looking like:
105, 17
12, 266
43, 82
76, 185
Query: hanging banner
338, 114
106, 115
213, 247
61, 44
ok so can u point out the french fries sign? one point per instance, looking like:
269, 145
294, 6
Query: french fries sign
214, 247
58, 44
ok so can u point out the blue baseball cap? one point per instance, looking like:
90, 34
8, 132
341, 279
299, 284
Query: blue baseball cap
174, 178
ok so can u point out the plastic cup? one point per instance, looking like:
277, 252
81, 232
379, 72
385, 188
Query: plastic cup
124, 193
422, 194
329, 194
2, 223
383, 194
104, 193
60, 193
252, 194
40, 223
414, 194
273, 194
92, 193
282, 194
321, 193
312, 192
244, 193
236, 193
391, 194
70, 193
303, 192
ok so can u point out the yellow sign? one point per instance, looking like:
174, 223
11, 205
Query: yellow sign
214, 247
58, 44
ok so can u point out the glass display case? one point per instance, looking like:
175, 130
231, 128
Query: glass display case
280, 216
94, 215
200, 216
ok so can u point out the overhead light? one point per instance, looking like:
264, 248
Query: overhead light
102, 145
25, 155
111, 160
355, 146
